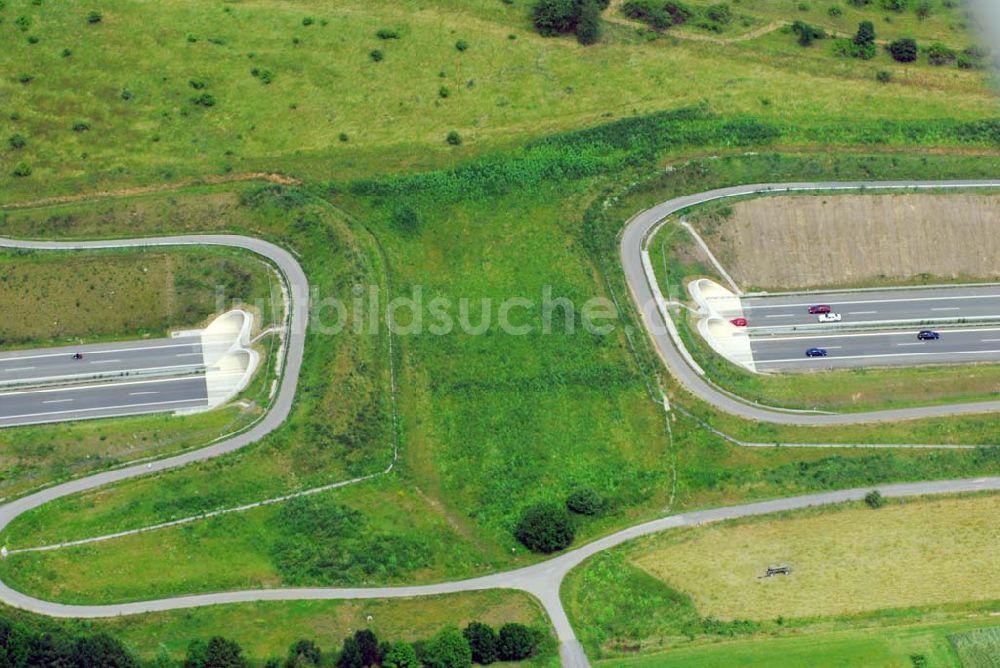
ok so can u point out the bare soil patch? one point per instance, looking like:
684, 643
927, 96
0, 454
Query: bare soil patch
780, 243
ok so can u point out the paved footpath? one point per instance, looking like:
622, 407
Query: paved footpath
543, 580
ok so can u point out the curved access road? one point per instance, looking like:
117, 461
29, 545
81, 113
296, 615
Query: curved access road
656, 320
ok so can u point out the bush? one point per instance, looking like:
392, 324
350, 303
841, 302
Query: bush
656, 13
81, 126
23, 23
865, 35
483, 642
462, 45
401, 655
874, 499
545, 527
883, 76
126, 94
895, 5
554, 17
303, 654
94, 17
807, 33
904, 50
453, 138
376, 55
448, 649
588, 29
939, 54
24, 78
385, 33
197, 84
308, 21
516, 642
443, 91
17, 141
203, 100
585, 501
923, 9
216, 653
720, 13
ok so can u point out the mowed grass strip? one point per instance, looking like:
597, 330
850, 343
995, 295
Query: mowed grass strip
845, 561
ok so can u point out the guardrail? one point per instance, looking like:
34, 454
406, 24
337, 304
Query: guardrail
843, 327
83, 379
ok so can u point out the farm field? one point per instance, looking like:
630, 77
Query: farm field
891, 575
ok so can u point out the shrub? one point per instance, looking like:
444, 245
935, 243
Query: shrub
720, 13
203, 100
923, 9
23, 23
939, 54
308, 21
24, 77
516, 642
883, 76
448, 649
376, 55
385, 33
483, 641
588, 28
443, 91
656, 13
874, 499
17, 141
216, 653
453, 138
904, 50
81, 126
585, 501
342, 136
835, 11
304, 653
350, 654
865, 35
22, 169
126, 94
32, 39
461, 45
197, 84
94, 17
807, 33
554, 17
545, 527
895, 5
66, 53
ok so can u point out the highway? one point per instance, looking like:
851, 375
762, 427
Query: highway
85, 401
784, 352
543, 579
174, 355
890, 306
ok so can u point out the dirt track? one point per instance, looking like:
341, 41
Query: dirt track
850, 240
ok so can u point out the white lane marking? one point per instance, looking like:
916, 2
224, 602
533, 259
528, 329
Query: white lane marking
989, 340
101, 385
136, 394
106, 408
861, 357
104, 361
869, 301
757, 338
57, 401
949, 308
69, 351
188, 354
833, 347
21, 368
912, 343
861, 312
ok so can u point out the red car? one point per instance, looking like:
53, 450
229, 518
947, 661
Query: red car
739, 322
819, 309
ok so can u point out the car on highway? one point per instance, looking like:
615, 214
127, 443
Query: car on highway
828, 317
928, 335
739, 322
819, 308
816, 352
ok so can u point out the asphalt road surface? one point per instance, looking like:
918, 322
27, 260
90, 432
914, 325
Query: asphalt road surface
890, 306
783, 352
167, 356
543, 580
81, 402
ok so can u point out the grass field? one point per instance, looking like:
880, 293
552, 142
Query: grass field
316, 85
890, 576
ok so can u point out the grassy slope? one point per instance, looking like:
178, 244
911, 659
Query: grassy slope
502, 90
620, 609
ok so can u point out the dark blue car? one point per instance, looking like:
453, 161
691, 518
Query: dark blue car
928, 335
816, 352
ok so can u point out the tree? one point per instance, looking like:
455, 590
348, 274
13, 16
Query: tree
102, 651
303, 654
401, 655
866, 34
482, 641
554, 17
588, 29
904, 50
368, 644
517, 642
216, 653
545, 527
14, 645
585, 501
350, 654
448, 649
807, 34
17, 141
